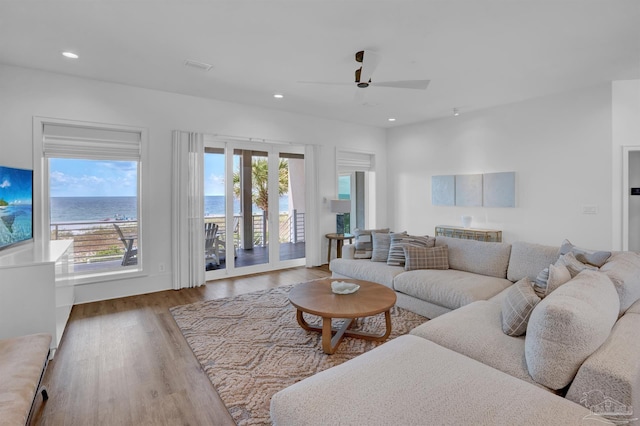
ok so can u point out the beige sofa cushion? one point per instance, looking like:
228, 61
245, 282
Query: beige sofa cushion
475, 331
412, 381
528, 259
568, 326
614, 369
21, 362
623, 268
490, 259
635, 308
449, 288
364, 269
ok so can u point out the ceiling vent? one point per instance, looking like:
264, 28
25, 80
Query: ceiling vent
199, 65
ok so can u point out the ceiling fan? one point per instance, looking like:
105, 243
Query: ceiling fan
363, 75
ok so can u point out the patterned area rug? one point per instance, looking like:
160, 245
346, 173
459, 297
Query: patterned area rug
251, 346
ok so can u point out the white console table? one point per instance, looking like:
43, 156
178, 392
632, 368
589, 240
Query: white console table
36, 290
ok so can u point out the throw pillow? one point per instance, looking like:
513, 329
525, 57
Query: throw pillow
396, 251
573, 265
381, 244
566, 327
540, 283
517, 306
558, 275
364, 243
426, 258
591, 257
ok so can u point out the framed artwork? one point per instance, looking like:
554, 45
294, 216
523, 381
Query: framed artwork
468, 192
499, 189
443, 190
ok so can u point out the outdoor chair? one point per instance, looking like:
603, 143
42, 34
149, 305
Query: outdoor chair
130, 252
212, 242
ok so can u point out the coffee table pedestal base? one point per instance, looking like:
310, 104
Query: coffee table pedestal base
332, 336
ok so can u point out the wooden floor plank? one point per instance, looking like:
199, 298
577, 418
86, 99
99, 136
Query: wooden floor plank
125, 362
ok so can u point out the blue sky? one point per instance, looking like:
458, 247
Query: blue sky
92, 178
100, 178
214, 173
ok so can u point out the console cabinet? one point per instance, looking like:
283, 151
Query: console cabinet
36, 290
492, 235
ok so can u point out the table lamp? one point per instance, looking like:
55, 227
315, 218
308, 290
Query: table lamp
342, 208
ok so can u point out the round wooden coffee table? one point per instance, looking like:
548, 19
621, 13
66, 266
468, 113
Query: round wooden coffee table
316, 297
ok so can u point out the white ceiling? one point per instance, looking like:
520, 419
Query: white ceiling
477, 53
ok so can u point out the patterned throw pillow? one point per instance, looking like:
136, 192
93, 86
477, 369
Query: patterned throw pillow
595, 258
517, 306
364, 242
426, 258
398, 241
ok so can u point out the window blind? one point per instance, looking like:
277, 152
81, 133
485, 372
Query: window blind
354, 161
68, 141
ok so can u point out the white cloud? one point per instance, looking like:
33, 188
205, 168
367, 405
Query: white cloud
5, 184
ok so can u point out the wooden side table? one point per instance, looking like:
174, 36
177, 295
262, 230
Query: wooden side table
339, 238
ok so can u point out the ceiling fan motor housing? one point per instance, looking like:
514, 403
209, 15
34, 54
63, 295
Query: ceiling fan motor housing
358, 82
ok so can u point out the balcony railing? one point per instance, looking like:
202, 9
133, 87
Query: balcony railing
99, 242
94, 241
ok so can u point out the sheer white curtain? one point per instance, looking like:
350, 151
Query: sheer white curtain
187, 210
312, 233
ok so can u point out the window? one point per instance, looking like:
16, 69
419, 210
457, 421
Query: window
90, 192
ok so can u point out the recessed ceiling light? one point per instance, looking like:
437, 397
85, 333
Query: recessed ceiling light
278, 95
456, 112
391, 119
70, 55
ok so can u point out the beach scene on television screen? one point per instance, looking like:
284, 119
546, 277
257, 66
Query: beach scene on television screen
16, 216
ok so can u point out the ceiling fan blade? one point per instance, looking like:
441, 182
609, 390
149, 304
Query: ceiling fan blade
370, 61
330, 83
406, 84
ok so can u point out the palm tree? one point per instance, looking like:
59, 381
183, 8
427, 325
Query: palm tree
259, 177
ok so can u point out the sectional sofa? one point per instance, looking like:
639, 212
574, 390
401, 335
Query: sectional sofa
519, 334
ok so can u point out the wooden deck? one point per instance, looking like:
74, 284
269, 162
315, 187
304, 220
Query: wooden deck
260, 255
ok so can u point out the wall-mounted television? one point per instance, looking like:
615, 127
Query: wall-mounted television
16, 206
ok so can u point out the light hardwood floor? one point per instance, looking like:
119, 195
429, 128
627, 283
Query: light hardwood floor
125, 362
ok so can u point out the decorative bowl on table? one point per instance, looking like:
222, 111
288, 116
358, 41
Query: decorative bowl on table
342, 287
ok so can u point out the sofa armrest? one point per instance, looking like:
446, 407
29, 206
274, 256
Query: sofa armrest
348, 251
613, 371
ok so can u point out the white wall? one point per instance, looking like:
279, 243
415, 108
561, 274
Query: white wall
26, 93
559, 146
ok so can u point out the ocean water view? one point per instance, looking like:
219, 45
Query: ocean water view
95, 209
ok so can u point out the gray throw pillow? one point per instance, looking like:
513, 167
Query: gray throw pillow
517, 306
398, 241
426, 257
364, 242
591, 257
573, 264
381, 244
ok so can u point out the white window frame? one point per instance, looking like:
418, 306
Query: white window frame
41, 189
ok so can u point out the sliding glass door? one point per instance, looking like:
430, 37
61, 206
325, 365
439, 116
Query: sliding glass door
254, 207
